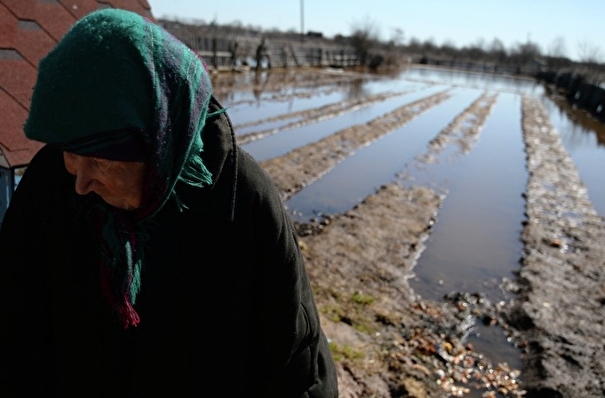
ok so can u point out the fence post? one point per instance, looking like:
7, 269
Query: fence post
293, 54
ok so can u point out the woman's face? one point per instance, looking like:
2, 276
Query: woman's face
118, 183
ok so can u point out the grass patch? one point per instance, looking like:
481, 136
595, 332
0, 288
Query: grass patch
362, 299
342, 352
353, 312
333, 312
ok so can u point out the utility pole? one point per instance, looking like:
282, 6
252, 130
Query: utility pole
302, 20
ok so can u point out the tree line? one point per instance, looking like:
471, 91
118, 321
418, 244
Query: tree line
364, 37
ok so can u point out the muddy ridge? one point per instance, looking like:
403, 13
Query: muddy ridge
561, 310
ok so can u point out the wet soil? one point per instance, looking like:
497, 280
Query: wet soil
389, 342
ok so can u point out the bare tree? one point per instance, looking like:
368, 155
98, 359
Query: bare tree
365, 35
557, 48
429, 46
589, 53
525, 53
448, 49
480, 44
556, 56
396, 38
414, 45
497, 51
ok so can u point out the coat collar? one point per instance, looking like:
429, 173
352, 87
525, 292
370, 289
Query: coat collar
220, 158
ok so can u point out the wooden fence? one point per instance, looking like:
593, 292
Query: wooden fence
230, 53
578, 91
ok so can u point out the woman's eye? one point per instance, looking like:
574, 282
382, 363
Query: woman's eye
102, 164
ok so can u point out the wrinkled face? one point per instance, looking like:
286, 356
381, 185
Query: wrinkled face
118, 183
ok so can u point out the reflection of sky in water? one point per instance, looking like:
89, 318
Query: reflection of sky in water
372, 88
476, 237
250, 112
359, 175
285, 141
487, 81
270, 107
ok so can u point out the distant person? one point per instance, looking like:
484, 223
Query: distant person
144, 253
233, 46
261, 52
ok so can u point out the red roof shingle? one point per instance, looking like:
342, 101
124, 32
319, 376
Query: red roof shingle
29, 29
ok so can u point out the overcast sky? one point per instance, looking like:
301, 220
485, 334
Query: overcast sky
579, 23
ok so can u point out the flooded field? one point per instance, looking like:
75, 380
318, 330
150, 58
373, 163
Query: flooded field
459, 134
476, 239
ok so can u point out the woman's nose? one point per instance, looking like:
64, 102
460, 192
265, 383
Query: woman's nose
81, 168
83, 181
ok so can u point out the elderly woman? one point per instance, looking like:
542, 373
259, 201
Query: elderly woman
144, 253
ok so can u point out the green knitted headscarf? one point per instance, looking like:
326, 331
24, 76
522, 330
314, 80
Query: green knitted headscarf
115, 85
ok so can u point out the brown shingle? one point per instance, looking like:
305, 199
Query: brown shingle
17, 149
17, 77
28, 30
8, 28
145, 5
23, 9
54, 18
33, 42
130, 5
79, 8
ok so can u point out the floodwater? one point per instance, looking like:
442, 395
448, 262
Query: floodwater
376, 164
475, 242
282, 143
478, 228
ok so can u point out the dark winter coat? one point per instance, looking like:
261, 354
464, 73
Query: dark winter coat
226, 307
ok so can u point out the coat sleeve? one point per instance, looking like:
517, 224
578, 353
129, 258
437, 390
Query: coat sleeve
299, 350
25, 344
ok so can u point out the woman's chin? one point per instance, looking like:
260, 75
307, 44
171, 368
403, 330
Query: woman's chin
119, 203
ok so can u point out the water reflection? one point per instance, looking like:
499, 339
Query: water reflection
484, 81
285, 141
357, 90
475, 241
582, 124
260, 82
374, 165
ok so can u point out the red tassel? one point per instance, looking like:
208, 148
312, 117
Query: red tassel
128, 314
